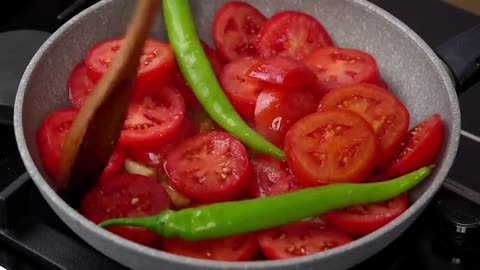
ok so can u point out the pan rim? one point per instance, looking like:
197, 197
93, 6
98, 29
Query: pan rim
73, 215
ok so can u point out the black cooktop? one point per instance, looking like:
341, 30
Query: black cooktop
445, 237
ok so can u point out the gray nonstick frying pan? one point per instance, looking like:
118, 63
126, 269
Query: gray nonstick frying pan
426, 81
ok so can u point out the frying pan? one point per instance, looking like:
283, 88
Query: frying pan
415, 73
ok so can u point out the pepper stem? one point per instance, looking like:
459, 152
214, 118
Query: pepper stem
134, 222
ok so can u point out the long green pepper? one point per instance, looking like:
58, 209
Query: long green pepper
230, 218
199, 74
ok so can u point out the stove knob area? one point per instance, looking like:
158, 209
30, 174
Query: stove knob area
458, 232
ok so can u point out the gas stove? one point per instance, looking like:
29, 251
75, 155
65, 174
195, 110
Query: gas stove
445, 237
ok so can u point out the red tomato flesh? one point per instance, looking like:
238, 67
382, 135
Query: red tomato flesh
419, 148
282, 71
336, 67
127, 195
79, 85
241, 89
157, 64
235, 29
277, 109
153, 120
271, 176
361, 220
209, 167
300, 239
292, 34
51, 136
234, 248
154, 156
384, 111
331, 146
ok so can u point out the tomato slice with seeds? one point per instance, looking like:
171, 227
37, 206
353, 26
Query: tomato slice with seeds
79, 85
209, 167
234, 248
277, 109
271, 176
126, 195
282, 71
51, 136
300, 239
154, 156
216, 61
157, 64
292, 34
419, 148
153, 120
336, 67
361, 220
241, 89
331, 146
384, 111
235, 28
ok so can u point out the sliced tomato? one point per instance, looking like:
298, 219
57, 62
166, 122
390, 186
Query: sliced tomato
331, 146
153, 120
51, 136
271, 176
115, 164
79, 85
235, 29
336, 67
361, 220
282, 71
154, 156
157, 64
278, 108
293, 34
419, 148
234, 248
126, 195
300, 239
384, 111
217, 62
209, 167
241, 89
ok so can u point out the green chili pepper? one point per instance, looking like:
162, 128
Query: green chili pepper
230, 218
199, 74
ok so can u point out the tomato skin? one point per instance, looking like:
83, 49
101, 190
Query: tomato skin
419, 148
271, 176
241, 89
336, 67
384, 111
277, 109
154, 156
331, 147
300, 239
209, 167
153, 120
235, 28
79, 85
51, 136
233, 248
157, 64
282, 71
292, 34
126, 195
361, 220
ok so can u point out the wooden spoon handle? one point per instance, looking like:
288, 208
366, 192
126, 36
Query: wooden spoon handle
96, 129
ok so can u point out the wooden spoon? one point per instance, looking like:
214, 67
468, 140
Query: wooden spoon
94, 133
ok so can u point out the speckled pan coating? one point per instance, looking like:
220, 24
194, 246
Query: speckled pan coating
409, 66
